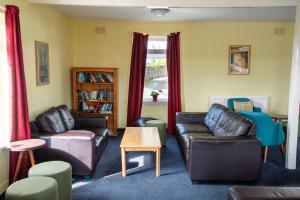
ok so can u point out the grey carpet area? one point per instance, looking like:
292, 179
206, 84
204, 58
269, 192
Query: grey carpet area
174, 183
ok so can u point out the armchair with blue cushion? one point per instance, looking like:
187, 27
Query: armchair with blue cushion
230, 103
269, 132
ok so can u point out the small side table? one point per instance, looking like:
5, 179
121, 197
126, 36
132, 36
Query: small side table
25, 148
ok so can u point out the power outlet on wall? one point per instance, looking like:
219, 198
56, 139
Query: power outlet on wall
100, 30
279, 31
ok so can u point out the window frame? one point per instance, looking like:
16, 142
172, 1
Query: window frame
156, 51
5, 124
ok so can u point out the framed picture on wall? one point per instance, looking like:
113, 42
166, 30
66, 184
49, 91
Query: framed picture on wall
239, 59
42, 63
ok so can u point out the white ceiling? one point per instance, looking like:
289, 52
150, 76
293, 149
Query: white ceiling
174, 3
181, 14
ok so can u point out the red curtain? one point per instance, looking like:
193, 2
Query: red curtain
173, 64
19, 107
137, 74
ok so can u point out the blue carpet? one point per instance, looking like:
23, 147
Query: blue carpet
174, 183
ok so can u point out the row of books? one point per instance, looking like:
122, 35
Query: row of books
94, 77
102, 95
105, 108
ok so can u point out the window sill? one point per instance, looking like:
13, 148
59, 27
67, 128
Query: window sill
159, 102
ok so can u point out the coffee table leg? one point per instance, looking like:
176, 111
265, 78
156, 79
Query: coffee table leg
31, 156
19, 163
123, 154
158, 162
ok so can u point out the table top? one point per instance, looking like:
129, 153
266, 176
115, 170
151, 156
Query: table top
141, 137
26, 145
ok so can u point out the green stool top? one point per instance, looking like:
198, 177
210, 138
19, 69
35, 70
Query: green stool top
34, 188
50, 168
60, 171
156, 121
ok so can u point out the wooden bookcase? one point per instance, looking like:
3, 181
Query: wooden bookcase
95, 94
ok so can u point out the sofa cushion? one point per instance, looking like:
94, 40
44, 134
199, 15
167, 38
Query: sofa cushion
50, 121
184, 128
223, 122
66, 117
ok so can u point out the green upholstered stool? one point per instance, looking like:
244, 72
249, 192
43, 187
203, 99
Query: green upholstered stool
34, 188
60, 171
161, 126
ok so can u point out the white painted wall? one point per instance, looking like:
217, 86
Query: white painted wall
3, 170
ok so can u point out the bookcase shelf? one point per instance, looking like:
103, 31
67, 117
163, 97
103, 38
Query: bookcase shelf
95, 94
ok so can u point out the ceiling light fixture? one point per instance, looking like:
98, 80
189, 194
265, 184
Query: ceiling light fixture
160, 11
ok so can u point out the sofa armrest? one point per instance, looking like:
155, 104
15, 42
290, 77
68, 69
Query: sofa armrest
89, 122
190, 117
210, 156
263, 192
75, 147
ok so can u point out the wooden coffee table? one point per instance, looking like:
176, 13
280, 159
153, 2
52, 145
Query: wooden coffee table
140, 139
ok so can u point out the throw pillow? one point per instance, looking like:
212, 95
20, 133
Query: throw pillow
243, 106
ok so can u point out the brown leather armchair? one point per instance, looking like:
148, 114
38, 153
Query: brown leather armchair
76, 140
219, 145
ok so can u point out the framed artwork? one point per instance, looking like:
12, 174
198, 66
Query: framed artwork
42, 63
239, 59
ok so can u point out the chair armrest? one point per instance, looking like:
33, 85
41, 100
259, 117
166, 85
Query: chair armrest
89, 122
190, 117
278, 132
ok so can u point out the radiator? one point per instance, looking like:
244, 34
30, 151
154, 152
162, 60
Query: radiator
258, 101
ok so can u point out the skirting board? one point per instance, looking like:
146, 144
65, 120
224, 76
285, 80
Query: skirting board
3, 186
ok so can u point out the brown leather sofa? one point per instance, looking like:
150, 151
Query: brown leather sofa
263, 193
76, 140
219, 145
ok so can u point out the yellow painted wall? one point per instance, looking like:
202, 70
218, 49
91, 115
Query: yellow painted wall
43, 23
204, 61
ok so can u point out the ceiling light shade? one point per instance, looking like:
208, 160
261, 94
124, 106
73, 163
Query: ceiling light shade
160, 11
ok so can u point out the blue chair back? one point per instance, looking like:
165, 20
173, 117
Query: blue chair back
230, 103
267, 131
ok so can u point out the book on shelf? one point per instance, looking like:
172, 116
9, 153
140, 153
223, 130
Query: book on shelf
103, 108
96, 95
94, 77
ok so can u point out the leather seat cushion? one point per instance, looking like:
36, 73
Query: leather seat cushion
50, 121
184, 128
66, 117
72, 134
223, 122
103, 132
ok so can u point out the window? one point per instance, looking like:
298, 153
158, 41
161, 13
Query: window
156, 76
4, 87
